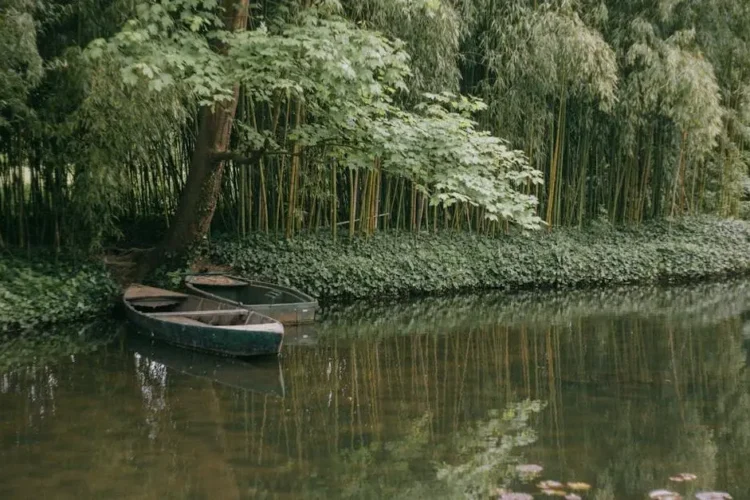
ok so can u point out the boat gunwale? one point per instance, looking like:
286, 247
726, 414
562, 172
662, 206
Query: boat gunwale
207, 312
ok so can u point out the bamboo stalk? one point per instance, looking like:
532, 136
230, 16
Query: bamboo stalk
292, 202
354, 185
555, 159
334, 200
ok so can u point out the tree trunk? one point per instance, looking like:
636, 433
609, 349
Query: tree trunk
198, 199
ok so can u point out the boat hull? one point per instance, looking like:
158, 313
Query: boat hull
222, 341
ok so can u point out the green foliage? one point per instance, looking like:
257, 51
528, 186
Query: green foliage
430, 30
393, 264
58, 181
670, 77
35, 294
20, 63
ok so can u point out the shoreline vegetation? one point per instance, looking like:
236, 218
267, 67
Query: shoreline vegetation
39, 293
390, 265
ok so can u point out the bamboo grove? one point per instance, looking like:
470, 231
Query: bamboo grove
370, 115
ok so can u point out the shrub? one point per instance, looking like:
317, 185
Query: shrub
38, 293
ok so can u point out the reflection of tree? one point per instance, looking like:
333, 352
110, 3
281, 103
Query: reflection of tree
469, 463
487, 451
49, 347
385, 469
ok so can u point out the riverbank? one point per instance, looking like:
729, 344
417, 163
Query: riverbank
388, 265
400, 264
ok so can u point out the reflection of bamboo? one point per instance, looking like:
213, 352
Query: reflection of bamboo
247, 427
580, 352
413, 366
424, 368
456, 353
491, 355
612, 336
445, 378
399, 372
537, 390
507, 365
231, 487
704, 373
262, 429
355, 398
643, 358
551, 386
285, 419
676, 381
558, 395
337, 389
373, 387
692, 375
525, 362
435, 418
464, 369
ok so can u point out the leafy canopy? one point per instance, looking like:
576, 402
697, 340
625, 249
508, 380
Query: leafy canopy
345, 80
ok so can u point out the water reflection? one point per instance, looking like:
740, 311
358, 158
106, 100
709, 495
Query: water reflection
434, 398
261, 375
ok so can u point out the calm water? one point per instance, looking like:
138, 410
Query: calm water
432, 399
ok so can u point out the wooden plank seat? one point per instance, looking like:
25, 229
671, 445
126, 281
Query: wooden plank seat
184, 321
136, 292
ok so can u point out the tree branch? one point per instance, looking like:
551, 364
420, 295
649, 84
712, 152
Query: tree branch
255, 155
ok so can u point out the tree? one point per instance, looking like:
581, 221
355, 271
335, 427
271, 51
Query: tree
337, 84
198, 199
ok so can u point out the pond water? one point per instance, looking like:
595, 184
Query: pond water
437, 398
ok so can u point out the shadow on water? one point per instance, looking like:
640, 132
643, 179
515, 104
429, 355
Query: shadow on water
436, 398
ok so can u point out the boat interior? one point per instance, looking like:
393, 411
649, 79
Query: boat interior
188, 309
249, 293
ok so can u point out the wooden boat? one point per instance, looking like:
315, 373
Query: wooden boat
282, 303
261, 376
202, 323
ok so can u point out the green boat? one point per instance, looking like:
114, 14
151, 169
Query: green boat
282, 303
202, 323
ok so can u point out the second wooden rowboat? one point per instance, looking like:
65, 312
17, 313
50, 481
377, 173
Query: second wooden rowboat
202, 323
282, 303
